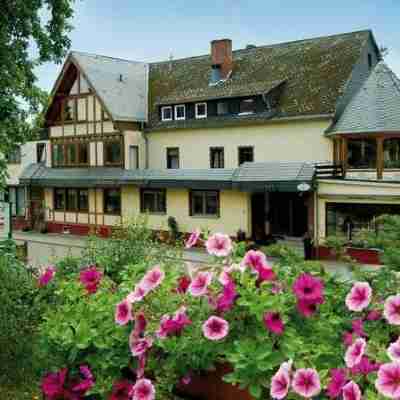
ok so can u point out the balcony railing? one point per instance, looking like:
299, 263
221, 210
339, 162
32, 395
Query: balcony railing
329, 171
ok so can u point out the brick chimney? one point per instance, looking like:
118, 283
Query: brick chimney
221, 57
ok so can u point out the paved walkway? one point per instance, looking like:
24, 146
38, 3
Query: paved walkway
45, 249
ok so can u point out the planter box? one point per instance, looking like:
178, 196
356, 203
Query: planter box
210, 386
363, 256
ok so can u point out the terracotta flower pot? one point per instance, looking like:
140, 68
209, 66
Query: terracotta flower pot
210, 386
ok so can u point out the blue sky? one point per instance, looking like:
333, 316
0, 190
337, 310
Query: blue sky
152, 30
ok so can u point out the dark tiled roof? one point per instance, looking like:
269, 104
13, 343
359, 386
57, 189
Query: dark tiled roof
315, 72
284, 176
375, 107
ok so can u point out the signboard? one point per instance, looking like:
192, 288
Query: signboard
5, 220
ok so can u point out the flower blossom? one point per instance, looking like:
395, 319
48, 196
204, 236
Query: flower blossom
53, 384
123, 312
219, 245
139, 346
308, 308
173, 325
86, 383
140, 325
199, 285
273, 322
347, 338
136, 295
359, 296
152, 279
308, 288
374, 315
388, 381
90, 278
254, 259
47, 276
357, 327
121, 390
391, 310
183, 284
306, 382
351, 391
336, 383
355, 352
393, 350
215, 328
193, 239
364, 367
226, 299
280, 382
143, 390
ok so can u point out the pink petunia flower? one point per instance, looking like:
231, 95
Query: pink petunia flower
137, 295
219, 245
143, 390
91, 278
139, 346
199, 285
351, 391
308, 308
183, 284
185, 380
393, 350
308, 288
359, 296
391, 310
364, 367
224, 277
374, 315
226, 299
121, 390
123, 312
152, 279
280, 382
141, 366
306, 382
254, 259
357, 327
355, 352
47, 276
140, 325
347, 338
53, 384
273, 322
336, 383
173, 325
265, 274
193, 239
388, 381
86, 383
215, 328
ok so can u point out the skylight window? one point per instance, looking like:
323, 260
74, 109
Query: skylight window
180, 112
166, 113
201, 110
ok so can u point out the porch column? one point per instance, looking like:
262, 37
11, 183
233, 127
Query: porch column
379, 157
344, 154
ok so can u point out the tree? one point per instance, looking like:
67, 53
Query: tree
32, 32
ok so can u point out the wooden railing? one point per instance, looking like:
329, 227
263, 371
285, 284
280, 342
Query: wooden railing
328, 171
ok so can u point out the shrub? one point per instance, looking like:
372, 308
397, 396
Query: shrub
19, 315
266, 322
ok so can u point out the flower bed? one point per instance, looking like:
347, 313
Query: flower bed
287, 330
361, 255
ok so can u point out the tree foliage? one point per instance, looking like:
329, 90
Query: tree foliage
32, 32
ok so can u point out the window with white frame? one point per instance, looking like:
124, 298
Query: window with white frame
201, 110
166, 113
180, 112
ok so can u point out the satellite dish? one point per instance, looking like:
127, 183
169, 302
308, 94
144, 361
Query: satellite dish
303, 187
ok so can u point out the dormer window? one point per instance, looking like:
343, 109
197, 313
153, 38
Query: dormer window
201, 110
166, 113
180, 113
247, 106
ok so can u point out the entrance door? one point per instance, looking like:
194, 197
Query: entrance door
258, 216
288, 214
